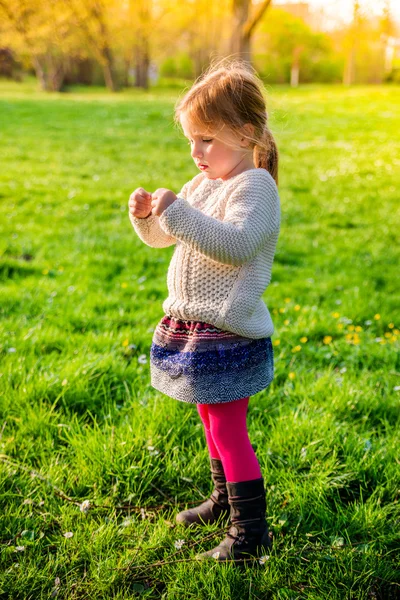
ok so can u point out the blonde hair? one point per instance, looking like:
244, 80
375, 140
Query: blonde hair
229, 94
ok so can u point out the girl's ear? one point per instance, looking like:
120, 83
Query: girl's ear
247, 130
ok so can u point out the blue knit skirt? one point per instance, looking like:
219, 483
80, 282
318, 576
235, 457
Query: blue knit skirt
196, 362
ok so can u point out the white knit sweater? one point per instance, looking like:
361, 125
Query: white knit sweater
225, 234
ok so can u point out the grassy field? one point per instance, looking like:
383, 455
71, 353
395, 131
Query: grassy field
80, 297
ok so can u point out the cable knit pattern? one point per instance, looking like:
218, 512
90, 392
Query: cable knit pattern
226, 234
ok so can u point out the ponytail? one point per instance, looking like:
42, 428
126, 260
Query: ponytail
265, 154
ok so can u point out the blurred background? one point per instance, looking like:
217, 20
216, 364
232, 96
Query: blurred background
145, 43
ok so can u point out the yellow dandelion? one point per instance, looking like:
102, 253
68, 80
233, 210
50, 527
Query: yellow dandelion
296, 348
276, 342
335, 315
388, 334
340, 326
393, 339
391, 325
356, 339
382, 342
297, 307
358, 328
396, 331
327, 339
45, 271
349, 336
124, 285
292, 375
282, 310
351, 327
377, 317
303, 340
286, 322
125, 342
287, 299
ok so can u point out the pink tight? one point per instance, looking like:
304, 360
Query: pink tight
227, 438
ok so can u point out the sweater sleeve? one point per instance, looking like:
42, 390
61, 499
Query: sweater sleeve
149, 229
252, 214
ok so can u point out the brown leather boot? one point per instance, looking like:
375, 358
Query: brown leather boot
248, 535
211, 509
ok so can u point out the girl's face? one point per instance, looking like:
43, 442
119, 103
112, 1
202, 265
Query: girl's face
216, 158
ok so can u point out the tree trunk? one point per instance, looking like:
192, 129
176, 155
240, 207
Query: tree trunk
142, 62
349, 69
142, 46
295, 70
240, 44
348, 75
110, 78
39, 72
243, 26
50, 72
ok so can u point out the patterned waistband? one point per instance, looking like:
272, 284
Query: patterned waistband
197, 336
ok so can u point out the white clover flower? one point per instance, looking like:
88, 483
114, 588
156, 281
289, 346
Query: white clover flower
396, 388
68, 534
152, 451
19, 548
142, 359
178, 544
216, 555
12, 350
263, 559
85, 506
343, 370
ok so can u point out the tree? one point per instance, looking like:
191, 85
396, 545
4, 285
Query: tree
43, 31
96, 20
243, 25
351, 43
286, 39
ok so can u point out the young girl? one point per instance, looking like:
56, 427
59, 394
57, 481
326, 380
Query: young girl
213, 346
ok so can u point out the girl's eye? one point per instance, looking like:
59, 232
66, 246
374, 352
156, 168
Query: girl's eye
191, 141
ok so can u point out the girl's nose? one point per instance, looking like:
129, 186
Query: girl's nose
196, 151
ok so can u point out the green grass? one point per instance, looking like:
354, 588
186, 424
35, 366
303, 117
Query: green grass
80, 297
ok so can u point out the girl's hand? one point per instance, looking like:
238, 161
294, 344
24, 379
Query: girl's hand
162, 198
140, 203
